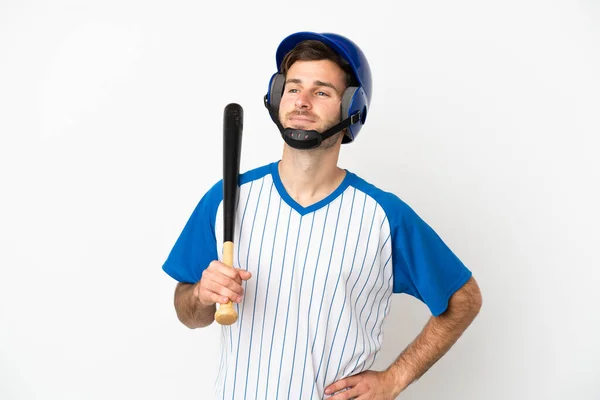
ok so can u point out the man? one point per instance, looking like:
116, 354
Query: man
318, 251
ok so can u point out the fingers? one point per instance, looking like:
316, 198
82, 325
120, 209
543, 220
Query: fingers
245, 275
237, 274
351, 393
223, 269
212, 292
342, 384
220, 284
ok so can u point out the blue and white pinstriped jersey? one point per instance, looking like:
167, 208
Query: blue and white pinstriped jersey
322, 279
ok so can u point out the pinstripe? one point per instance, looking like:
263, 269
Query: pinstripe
361, 327
370, 338
238, 257
287, 314
386, 286
256, 287
267, 293
383, 245
352, 309
335, 290
389, 300
277, 303
310, 302
364, 326
350, 296
223, 351
241, 319
328, 269
383, 222
299, 296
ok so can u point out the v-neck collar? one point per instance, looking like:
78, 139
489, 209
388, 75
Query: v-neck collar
313, 207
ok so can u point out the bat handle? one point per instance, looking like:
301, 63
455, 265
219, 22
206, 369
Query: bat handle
226, 314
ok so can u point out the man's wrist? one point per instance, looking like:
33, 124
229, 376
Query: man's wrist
398, 377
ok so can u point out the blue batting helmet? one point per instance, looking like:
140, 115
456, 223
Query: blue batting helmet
354, 100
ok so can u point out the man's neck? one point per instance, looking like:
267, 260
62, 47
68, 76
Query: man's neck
310, 176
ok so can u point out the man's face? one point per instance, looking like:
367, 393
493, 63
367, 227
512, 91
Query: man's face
312, 96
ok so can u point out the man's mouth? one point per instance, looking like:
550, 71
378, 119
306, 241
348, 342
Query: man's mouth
303, 118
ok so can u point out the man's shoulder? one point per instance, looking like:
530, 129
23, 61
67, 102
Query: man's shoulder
392, 205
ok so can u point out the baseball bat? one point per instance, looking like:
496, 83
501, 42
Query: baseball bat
233, 123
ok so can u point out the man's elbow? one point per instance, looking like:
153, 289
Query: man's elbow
468, 299
192, 324
187, 310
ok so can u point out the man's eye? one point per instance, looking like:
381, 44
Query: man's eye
322, 94
293, 91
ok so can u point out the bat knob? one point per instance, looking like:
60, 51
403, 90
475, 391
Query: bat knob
226, 314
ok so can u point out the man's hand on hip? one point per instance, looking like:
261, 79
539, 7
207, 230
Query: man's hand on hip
368, 385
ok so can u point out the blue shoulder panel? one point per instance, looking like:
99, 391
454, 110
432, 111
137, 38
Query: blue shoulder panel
423, 265
196, 246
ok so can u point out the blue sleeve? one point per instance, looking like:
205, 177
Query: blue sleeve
196, 246
423, 265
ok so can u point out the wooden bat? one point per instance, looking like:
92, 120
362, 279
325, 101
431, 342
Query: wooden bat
233, 122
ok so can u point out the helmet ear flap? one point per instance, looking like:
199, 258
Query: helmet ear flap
347, 98
354, 100
276, 86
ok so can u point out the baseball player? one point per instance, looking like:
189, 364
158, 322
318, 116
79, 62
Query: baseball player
319, 251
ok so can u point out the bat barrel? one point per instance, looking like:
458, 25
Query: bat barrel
233, 118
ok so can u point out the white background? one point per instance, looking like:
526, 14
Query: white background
485, 119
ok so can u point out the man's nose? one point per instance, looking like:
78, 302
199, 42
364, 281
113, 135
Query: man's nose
303, 100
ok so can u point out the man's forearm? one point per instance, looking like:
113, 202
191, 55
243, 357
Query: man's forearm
437, 337
189, 310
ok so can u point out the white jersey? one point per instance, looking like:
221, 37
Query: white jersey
322, 279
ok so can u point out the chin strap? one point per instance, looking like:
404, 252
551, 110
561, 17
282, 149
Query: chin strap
309, 139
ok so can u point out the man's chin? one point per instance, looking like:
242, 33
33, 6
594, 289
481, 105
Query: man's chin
304, 127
